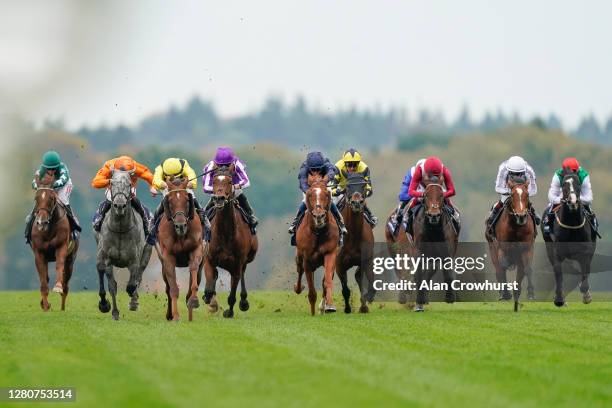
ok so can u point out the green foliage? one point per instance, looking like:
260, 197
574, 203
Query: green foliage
419, 140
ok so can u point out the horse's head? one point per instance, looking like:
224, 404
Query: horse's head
45, 203
519, 198
318, 202
121, 191
571, 190
223, 186
179, 205
356, 191
434, 200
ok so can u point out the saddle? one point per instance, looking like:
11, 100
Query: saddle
211, 212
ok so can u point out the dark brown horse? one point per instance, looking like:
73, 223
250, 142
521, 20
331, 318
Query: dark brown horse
231, 247
400, 243
51, 242
434, 237
317, 244
511, 244
180, 242
358, 246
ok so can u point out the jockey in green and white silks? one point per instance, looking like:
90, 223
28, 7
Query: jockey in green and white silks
53, 166
555, 192
513, 167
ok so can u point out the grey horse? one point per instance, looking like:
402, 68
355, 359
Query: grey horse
121, 243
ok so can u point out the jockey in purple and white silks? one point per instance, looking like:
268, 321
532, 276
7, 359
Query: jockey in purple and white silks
225, 157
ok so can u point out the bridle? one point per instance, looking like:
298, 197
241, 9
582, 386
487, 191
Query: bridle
567, 202
174, 215
49, 211
434, 206
510, 207
319, 219
220, 201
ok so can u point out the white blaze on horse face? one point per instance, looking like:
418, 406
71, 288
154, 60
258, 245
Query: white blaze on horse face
43, 195
520, 193
573, 197
318, 195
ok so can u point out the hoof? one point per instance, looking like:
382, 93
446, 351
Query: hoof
193, 303
228, 313
364, 309
370, 296
531, 296
330, 309
402, 298
168, 316
244, 305
104, 307
116, 315
505, 297
133, 306
419, 308
559, 302
587, 298
213, 308
58, 288
449, 297
347, 309
130, 289
298, 289
516, 306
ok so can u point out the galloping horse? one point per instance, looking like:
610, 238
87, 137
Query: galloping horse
51, 242
317, 243
232, 246
180, 244
359, 244
121, 243
511, 242
434, 236
573, 238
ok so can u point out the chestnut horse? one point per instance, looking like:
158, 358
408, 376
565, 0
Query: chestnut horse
231, 247
180, 244
317, 243
51, 242
513, 239
434, 237
358, 246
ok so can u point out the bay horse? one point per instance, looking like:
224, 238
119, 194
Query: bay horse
51, 242
571, 238
231, 247
121, 243
434, 237
180, 245
359, 244
317, 243
400, 243
512, 240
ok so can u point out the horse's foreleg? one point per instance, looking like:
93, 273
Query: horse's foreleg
312, 292
67, 275
231, 299
449, 296
210, 274
244, 303
297, 288
195, 262
329, 263
558, 270
421, 298
585, 268
169, 268
43, 275
60, 264
369, 293
500, 273
103, 305
112, 288
132, 286
168, 298
346, 291
520, 275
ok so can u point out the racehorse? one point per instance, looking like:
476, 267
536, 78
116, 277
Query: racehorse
574, 238
180, 245
121, 244
511, 242
359, 244
317, 243
51, 242
231, 247
400, 243
434, 237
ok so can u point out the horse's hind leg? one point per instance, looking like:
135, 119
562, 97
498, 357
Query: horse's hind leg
346, 292
103, 305
67, 275
298, 287
530, 287
210, 273
585, 267
169, 300
231, 299
312, 292
43, 275
244, 303
112, 288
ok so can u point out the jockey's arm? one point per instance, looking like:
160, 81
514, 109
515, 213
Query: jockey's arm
337, 181
102, 178
368, 179
414, 183
554, 192
500, 182
448, 182
64, 177
586, 192
303, 177
403, 194
533, 186
158, 178
144, 173
190, 174
243, 177
207, 186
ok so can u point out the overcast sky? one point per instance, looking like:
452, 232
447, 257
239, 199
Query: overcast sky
119, 61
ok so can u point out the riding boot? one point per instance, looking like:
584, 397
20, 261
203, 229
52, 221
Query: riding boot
298, 217
143, 214
152, 237
370, 218
74, 221
592, 218
338, 216
547, 217
28, 229
534, 214
244, 203
495, 210
100, 214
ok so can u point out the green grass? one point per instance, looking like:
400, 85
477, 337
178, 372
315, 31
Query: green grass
470, 354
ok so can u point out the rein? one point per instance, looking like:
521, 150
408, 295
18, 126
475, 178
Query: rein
50, 211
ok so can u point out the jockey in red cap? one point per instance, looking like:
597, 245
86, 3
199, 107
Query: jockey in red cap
432, 167
555, 192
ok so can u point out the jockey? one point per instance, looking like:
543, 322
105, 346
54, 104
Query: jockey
515, 166
170, 169
225, 157
431, 167
555, 193
102, 180
53, 166
351, 163
316, 163
404, 197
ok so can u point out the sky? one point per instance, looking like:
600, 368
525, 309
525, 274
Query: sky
116, 62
